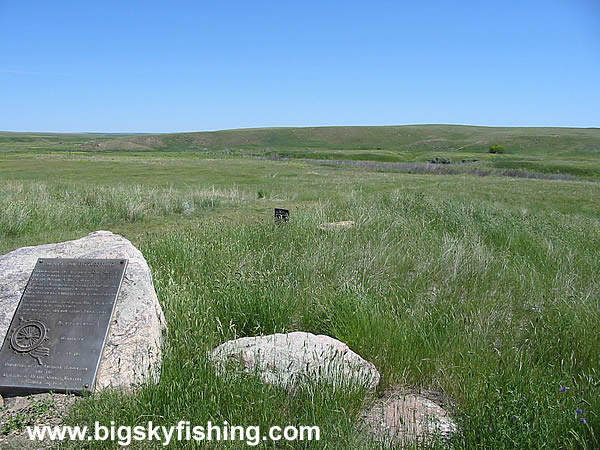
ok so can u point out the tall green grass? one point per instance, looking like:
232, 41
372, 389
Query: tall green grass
498, 310
33, 207
492, 304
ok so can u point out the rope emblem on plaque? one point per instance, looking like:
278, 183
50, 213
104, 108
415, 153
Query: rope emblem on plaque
28, 337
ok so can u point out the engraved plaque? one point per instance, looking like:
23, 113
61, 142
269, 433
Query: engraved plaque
58, 331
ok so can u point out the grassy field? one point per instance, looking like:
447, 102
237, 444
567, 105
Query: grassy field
572, 151
484, 289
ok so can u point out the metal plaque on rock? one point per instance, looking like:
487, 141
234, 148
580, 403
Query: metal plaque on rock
57, 334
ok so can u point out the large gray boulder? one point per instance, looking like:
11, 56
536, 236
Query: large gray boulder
133, 347
289, 359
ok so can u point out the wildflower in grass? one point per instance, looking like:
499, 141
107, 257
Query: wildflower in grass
564, 389
579, 411
582, 420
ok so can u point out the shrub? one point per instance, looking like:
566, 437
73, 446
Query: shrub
496, 148
439, 160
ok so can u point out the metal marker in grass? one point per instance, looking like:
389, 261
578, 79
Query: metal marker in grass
282, 215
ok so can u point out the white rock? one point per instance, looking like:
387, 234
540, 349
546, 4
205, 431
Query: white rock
133, 348
288, 359
401, 417
332, 226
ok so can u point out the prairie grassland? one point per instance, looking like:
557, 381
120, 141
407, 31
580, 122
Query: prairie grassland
32, 207
571, 151
485, 289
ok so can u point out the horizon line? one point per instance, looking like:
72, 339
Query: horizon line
300, 126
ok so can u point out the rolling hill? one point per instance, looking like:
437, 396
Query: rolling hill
556, 150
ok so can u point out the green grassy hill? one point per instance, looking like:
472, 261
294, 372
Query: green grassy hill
574, 151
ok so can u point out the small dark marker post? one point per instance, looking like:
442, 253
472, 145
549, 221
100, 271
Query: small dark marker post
282, 215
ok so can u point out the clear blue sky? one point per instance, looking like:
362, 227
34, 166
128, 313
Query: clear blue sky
172, 66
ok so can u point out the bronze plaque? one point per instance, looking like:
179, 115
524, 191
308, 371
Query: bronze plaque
57, 334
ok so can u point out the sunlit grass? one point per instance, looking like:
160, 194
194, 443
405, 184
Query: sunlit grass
485, 289
34, 207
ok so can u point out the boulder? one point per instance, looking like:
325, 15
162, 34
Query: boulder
132, 353
288, 359
402, 417
332, 226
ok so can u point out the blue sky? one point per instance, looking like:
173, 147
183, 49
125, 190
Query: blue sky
168, 66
